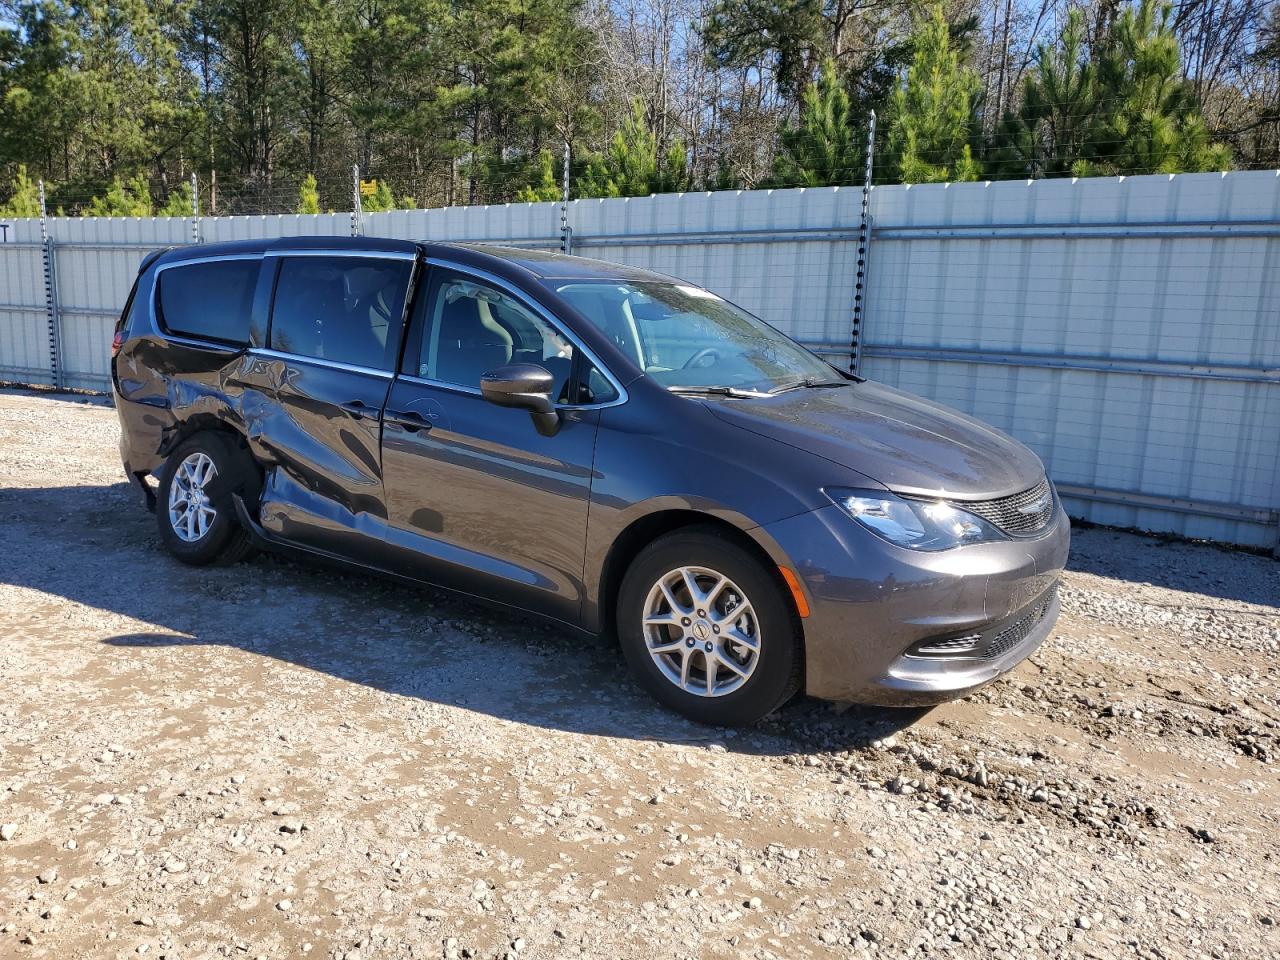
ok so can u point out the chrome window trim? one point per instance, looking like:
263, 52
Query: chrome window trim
441, 384
476, 392
524, 298
205, 343
337, 252
212, 258
228, 345
270, 354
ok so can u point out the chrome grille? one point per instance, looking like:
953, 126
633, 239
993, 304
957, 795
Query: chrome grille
952, 645
1016, 632
1021, 514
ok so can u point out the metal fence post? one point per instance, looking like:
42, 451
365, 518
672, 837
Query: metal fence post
566, 231
51, 295
864, 247
195, 208
357, 208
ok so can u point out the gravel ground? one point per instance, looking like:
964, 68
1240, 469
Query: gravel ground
245, 762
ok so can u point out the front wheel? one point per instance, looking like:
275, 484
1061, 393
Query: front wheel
707, 629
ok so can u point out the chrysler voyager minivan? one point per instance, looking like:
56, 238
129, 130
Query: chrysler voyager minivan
617, 450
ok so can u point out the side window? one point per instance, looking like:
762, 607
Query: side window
209, 301
471, 328
347, 309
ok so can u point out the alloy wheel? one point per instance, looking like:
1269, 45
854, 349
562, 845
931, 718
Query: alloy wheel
701, 631
191, 513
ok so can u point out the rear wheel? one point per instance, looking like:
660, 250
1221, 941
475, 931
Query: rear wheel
707, 629
195, 509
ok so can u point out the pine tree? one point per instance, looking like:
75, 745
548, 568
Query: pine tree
1149, 122
24, 196
632, 166
1054, 128
381, 200
933, 110
545, 187
130, 198
178, 203
309, 195
822, 148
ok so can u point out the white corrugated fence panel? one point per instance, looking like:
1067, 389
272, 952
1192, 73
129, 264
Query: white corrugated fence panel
1135, 361
24, 321
1195, 303
219, 229
802, 284
97, 259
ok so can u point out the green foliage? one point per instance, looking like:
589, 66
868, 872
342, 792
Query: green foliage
131, 198
933, 114
545, 187
822, 149
381, 199
1057, 123
633, 165
1122, 108
308, 195
178, 203
1148, 122
792, 33
458, 101
522, 79
24, 196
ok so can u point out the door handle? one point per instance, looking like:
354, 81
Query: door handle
410, 420
359, 409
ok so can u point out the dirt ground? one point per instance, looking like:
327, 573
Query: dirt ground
246, 762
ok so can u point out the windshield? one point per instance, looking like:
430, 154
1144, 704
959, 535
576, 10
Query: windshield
685, 337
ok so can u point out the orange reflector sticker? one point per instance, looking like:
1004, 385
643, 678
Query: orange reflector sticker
802, 605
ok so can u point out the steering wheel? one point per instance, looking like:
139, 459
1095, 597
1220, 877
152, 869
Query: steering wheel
697, 358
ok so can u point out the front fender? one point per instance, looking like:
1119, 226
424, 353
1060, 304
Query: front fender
694, 465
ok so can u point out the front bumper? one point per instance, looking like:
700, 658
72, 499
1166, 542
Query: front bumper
874, 605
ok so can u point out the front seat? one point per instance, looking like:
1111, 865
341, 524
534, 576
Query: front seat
468, 347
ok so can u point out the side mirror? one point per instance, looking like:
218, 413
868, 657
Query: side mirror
527, 386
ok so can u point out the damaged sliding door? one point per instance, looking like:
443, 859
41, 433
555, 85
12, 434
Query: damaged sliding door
322, 382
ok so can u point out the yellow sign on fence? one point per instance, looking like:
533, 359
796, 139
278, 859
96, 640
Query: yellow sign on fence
368, 188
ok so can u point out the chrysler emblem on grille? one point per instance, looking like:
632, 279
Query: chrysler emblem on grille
1034, 508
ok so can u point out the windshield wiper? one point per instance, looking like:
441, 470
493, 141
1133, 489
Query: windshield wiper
717, 391
807, 382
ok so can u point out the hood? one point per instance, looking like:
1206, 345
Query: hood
909, 444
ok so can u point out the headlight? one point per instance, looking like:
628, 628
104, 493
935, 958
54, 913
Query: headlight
917, 524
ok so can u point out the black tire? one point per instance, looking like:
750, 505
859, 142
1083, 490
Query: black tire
225, 541
778, 670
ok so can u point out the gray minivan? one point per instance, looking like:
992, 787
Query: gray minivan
617, 450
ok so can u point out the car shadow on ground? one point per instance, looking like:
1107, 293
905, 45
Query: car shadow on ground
97, 546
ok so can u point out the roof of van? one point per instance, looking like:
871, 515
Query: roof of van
540, 264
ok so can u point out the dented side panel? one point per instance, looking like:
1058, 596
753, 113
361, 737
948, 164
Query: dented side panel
165, 386
316, 429
313, 428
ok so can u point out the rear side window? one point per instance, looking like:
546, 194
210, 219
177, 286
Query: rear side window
209, 301
348, 309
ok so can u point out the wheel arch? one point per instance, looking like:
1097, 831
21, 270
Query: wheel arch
200, 423
248, 476
645, 530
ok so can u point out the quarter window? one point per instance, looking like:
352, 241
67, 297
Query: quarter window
346, 309
209, 301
